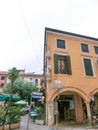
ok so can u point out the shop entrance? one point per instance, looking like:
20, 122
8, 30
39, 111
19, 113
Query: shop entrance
66, 108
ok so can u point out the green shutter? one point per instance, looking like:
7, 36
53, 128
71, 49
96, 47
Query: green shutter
88, 67
55, 63
68, 64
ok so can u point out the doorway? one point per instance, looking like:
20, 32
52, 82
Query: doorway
66, 108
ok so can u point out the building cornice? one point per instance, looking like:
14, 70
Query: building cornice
60, 32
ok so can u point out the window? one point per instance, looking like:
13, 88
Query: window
88, 67
30, 78
61, 44
84, 47
96, 49
1, 85
2, 77
62, 64
36, 81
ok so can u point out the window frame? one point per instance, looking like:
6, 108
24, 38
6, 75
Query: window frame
95, 49
67, 64
60, 40
31, 78
87, 48
2, 85
36, 81
3, 77
91, 66
62, 64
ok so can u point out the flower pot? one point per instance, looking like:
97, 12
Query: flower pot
12, 126
1, 127
39, 122
15, 125
6, 127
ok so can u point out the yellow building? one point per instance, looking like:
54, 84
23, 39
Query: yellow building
71, 77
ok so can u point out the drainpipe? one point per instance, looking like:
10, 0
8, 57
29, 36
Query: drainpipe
44, 72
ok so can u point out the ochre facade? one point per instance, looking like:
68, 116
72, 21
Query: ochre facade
69, 97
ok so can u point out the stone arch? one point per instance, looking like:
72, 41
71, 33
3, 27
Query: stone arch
71, 89
94, 91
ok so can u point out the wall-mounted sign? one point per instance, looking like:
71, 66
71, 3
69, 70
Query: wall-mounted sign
57, 82
58, 86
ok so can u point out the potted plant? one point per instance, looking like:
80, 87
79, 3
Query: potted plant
10, 119
40, 118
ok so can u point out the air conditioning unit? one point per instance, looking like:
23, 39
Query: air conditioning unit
97, 61
48, 55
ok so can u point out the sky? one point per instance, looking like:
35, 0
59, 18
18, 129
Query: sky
23, 22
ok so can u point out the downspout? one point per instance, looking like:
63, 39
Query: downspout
44, 73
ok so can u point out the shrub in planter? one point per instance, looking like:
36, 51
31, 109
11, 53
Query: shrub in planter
7, 118
13, 115
41, 115
2, 117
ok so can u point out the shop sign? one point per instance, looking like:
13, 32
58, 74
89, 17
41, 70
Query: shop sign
37, 95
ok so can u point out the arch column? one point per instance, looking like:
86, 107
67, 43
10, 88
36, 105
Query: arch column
89, 114
78, 109
50, 113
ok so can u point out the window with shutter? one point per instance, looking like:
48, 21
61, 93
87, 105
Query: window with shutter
62, 64
68, 64
55, 63
88, 67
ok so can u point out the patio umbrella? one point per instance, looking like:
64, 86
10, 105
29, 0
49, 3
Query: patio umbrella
15, 98
4, 97
21, 102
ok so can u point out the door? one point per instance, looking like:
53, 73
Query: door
66, 108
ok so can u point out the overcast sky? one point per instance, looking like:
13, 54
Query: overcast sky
22, 24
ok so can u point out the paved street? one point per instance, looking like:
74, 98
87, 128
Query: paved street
33, 126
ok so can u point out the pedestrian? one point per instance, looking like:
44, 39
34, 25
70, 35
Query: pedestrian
32, 106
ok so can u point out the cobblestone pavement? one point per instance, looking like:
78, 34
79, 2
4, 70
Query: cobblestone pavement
28, 124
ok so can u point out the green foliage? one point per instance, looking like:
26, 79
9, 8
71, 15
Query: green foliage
22, 88
13, 74
13, 115
7, 88
41, 112
2, 116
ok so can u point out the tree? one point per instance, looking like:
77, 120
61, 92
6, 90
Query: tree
13, 75
22, 88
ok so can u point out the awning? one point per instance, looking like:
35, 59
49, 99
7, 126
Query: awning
37, 96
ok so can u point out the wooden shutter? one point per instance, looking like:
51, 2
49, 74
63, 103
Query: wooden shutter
55, 63
88, 67
68, 64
